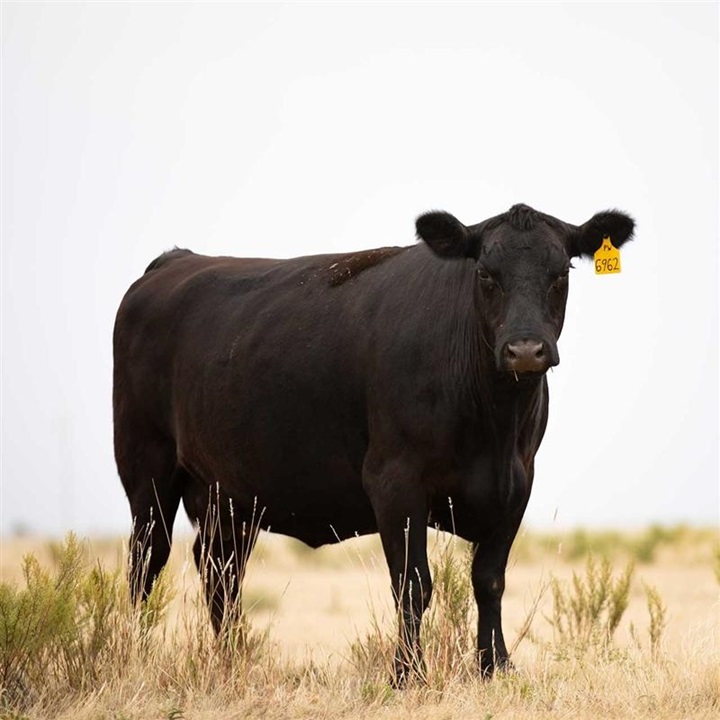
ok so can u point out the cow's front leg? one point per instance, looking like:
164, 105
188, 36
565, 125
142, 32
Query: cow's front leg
488, 579
401, 509
412, 590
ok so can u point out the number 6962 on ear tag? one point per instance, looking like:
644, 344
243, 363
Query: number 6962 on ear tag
607, 258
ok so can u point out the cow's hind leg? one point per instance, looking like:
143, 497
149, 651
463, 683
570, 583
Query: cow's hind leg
153, 485
401, 512
221, 551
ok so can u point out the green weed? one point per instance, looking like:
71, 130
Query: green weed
658, 618
450, 622
68, 624
587, 614
448, 628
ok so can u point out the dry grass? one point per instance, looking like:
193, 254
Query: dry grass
319, 608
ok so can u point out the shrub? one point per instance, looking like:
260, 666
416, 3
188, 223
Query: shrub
65, 626
37, 622
450, 622
586, 615
658, 618
448, 629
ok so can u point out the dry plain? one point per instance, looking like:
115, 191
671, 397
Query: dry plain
323, 615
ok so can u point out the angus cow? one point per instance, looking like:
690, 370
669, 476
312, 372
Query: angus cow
330, 396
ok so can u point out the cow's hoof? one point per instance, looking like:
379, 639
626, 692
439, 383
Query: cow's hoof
501, 666
398, 681
407, 673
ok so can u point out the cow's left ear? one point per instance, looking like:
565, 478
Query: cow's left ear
445, 234
588, 237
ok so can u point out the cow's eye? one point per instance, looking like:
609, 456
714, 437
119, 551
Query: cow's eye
484, 275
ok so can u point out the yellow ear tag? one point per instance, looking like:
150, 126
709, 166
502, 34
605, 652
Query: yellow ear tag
607, 258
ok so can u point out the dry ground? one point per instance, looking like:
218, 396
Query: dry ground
317, 603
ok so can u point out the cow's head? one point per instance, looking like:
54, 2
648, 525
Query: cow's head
522, 259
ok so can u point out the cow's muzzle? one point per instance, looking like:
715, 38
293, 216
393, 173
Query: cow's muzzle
526, 356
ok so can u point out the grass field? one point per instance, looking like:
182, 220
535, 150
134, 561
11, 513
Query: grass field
322, 630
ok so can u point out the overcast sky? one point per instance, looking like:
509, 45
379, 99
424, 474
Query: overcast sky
282, 130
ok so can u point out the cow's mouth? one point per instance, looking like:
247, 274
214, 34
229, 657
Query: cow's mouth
525, 376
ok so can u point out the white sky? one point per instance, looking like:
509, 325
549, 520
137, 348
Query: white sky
282, 130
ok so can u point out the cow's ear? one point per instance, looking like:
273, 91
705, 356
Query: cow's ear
445, 234
587, 238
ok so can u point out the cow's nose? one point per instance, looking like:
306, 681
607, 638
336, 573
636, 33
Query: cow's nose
526, 356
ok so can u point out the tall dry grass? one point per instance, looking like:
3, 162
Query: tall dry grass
592, 641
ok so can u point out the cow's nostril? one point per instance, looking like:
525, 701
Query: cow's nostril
526, 356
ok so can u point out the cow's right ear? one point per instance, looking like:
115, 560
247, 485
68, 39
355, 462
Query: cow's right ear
446, 236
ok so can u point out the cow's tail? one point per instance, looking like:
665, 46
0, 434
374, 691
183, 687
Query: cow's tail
167, 257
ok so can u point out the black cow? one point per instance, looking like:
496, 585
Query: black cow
338, 395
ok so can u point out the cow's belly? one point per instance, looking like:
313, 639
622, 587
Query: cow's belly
317, 504
304, 482
348, 523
